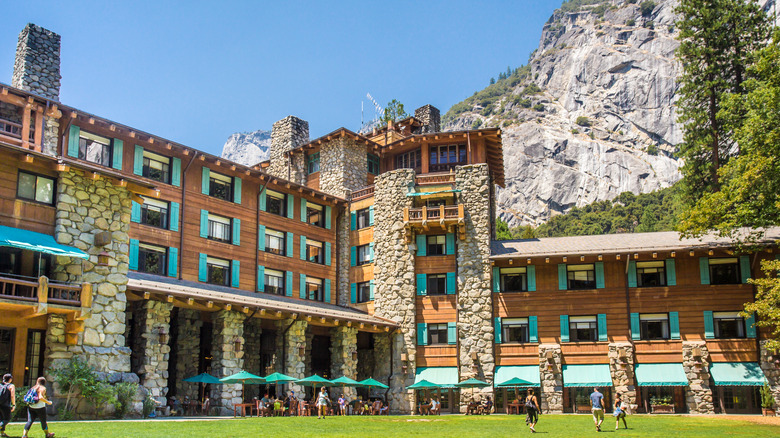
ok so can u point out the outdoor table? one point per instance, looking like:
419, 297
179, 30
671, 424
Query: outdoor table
424, 409
514, 408
243, 407
191, 407
472, 408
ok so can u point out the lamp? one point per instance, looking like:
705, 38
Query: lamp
103, 258
690, 253
404, 357
673, 254
354, 355
237, 344
301, 350
163, 335
564, 259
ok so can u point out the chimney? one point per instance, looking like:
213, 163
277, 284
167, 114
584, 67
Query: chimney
430, 117
286, 135
37, 64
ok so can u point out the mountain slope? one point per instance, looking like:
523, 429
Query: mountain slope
247, 148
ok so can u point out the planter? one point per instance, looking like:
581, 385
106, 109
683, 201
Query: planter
583, 410
662, 409
768, 412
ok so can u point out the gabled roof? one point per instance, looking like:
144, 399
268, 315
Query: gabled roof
341, 132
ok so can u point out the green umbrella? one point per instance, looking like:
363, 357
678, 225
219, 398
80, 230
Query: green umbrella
278, 378
314, 380
243, 378
423, 384
204, 378
345, 381
516, 382
373, 383
472, 383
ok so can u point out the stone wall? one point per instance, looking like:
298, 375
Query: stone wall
228, 327
56, 351
771, 370
151, 318
343, 341
622, 371
382, 366
51, 129
430, 117
395, 290
287, 134
187, 352
252, 334
343, 166
37, 63
698, 394
551, 374
294, 361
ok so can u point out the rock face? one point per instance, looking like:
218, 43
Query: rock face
247, 148
599, 118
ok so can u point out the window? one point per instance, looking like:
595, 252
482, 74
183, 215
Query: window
514, 279
221, 186
437, 334
274, 242
653, 326
363, 254
275, 203
364, 292
515, 330
7, 348
95, 149
13, 263
219, 228
650, 274
581, 276
154, 213
313, 161
33, 364
218, 271
314, 290
314, 252
724, 271
409, 160
315, 215
373, 164
274, 282
151, 259
363, 218
157, 167
437, 284
35, 188
728, 325
436, 245
583, 329
435, 203
446, 157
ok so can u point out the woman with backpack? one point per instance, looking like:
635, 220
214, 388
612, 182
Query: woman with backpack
531, 410
36, 409
7, 402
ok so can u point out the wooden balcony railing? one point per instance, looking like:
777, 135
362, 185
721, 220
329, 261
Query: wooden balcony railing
435, 178
365, 192
41, 291
444, 215
10, 129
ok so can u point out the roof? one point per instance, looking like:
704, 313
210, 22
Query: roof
341, 132
660, 374
611, 244
39, 242
737, 374
581, 376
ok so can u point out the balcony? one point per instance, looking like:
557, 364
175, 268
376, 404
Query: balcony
430, 179
443, 216
42, 291
365, 192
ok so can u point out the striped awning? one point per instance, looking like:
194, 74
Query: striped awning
524, 373
737, 374
446, 377
579, 376
660, 374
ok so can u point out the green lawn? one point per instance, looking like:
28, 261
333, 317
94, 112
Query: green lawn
404, 426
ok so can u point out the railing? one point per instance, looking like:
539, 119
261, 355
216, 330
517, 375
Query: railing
435, 178
443, 213
41, 291
65, 294
18, 289
10, 128
365, 192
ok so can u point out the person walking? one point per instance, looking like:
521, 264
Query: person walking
597, 407
7, 402
322, 403
37, 407
531, 410
620, 412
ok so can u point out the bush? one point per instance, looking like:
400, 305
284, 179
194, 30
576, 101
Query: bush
575, 131
631, 22
20, 412
767, 399
506, 123
487, 111
652, 149
125, 392
476, 124
583, 121
649, 25
592, 135
647, 7
539, 107
77, 377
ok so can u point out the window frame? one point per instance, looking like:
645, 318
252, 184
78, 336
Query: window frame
437, 328
363, 215
144, 249
435, 153
741, 327
108, 149
434, 282
593, 328
363, 255
320, 210
268, 235
146, 168
319, 293
647, 318
276, 196
216, 178
165, 218
523, 275
37, 176
436, 248
646, 264
570, 282
372, 161
404, 160
507, 324
274, 290
312, 163
713, 267
363, 291
209, 270
320, 258
229, 227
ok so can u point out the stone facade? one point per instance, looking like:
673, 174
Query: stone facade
430, 117
343, 166
698, 394
37, 64
287, 134
343, 341
551, 374
151, 319
622, 371
771, 367
294, 365
394, 280
188, 327
226, 361
56, 352
382, 366
252, 339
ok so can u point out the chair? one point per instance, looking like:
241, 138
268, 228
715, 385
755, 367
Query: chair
206, 407
293, 408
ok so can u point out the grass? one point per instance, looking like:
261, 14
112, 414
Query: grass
405, 426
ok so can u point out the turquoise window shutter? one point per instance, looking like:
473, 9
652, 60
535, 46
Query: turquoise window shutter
632, 274
371, 216
452, 334
496, 279
371, 289
352, 221
353, 293
135, 212
353, 256
205, 182
304, 213
564, 328
451, 284
704, 270
674, 325
263, 200
290, 206
635, 331
709, 325
422, 284
750, 328
328, 214
531, 274
303, 247
327, 253
173, 262
288, 283
602, 326
116, 153
204, 223
562, 277
497, 330
260, 278
73, 141
236, 232
371, 251
133, 254
261, 237
302, 292
533, 329
138, 160
288, 247
449, 247
237, 190
235, 269
671, 273
599, 275
422, 245
422, 333
176, 172
744, 268
203, 270
327, 290
173, 222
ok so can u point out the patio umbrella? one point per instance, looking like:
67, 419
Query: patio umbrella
472, 383
205, 379
371, 383
278, 379
515, 382
345, 381
243, 377
423, 384
314, 381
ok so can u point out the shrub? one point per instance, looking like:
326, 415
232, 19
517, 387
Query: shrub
767, 399
592, 135
575, 131
476, 124
125, 391
583, 121
652, 149
647, 7
631, 22
77, 377
487, 111
20, 411
506, 123
148, 406
539, 107
649, 25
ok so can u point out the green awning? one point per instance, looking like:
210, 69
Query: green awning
32, 241
412, 194
525, 373
578, 376
446, 377
660, 374
737, 374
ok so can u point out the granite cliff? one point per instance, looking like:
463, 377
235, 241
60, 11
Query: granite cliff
248, 148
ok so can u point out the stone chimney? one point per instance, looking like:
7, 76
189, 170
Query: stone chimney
430, 117
37, 64
287, 134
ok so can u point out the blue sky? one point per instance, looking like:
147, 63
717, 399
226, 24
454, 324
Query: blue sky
195, 72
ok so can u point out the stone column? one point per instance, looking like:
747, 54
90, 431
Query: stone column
382, 367
551, 372
698, 394
37, 64
295, 361
51, 128
395, 290
343, 341
287, 134
622, 371
187, 352
56, 351
151, 319
771, 369
252, 335
475, 300
228, 327
307, 355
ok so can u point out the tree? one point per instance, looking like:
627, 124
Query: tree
767, 303
394, 111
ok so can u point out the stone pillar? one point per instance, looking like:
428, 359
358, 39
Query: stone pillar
252, 333
288, 134
551, 373
430, 117
343, 166
394, 280
622, 371
187, 352
343, 342
228, 328
309, 338
56, 351
37, 64
51, 128
771, 366
698, 394
152, 318
294, 365
475, 300
382, 366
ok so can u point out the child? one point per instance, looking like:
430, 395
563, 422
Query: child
620, 412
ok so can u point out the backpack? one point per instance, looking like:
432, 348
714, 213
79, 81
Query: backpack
5, 395
32, 396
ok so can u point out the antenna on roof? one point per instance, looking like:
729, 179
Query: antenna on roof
379, 111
